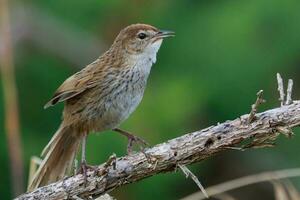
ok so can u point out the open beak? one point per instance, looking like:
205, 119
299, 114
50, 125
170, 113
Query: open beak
165, 33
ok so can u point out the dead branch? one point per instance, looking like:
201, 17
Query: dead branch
254, 106
280, 89
184, 150
289, 92
245, 181
188, 174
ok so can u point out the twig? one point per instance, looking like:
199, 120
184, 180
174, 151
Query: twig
235, 148
184, 150
223, 196
285, 131
111, 162
289, 92
254, 107
105, 197
280, 89
280, 192
244, 181
293, 192
12, 125
188, 173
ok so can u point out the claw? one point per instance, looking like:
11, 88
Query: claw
132, 139
136, 140
83, 170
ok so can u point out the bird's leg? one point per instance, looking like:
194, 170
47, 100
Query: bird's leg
83, 165
131, 140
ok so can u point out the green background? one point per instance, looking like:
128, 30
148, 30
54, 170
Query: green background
223, 53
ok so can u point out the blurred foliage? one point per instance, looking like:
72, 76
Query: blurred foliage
223, 53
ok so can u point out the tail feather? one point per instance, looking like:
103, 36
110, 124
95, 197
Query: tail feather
52, 142
60, 153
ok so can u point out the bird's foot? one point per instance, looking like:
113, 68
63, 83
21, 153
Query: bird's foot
132, 139
83, 169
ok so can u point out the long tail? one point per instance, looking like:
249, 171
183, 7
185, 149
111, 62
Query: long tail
59, 155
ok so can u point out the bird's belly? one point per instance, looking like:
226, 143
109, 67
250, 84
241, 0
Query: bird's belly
122, 107
117, 108
118, 100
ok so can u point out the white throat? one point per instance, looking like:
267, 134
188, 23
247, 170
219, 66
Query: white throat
152, 50
145, 60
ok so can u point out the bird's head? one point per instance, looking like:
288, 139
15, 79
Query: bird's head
142, 39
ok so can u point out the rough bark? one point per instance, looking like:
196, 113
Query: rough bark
165, 157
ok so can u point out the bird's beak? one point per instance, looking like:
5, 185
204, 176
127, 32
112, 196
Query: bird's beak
165, 33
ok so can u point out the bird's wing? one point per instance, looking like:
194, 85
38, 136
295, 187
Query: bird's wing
74, 85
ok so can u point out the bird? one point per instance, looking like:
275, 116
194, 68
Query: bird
99, 98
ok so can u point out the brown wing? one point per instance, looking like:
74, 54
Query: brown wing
74, 85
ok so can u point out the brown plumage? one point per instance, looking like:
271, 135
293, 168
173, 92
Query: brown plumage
100, 97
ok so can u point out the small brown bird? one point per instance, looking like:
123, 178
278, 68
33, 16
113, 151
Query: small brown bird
100, 97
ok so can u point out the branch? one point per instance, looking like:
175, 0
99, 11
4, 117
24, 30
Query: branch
289, 92
280, 89
245, 181
188, 173
254, 106
165, 157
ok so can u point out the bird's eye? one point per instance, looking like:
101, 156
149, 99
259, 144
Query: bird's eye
142, 36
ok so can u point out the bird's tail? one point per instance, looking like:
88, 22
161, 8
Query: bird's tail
59, 156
